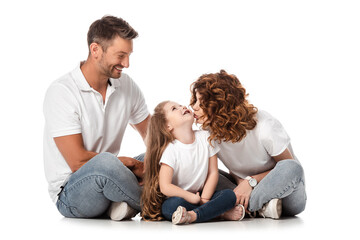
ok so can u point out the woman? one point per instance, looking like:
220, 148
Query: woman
264, 172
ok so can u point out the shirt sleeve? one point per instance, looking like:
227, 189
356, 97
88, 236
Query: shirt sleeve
273, 137
139, 110
213, 147
214, 150
168, 157
62, 114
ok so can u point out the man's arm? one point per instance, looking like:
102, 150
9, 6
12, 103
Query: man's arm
142, 127
72, 149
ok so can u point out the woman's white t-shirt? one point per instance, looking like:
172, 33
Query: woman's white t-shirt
190, 162
253, 154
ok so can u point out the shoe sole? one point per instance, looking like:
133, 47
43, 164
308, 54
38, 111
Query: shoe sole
278, 206
243, 212
119, 210
177, 215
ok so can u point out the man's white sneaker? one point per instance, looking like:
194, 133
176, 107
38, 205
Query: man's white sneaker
271, 209
121, 210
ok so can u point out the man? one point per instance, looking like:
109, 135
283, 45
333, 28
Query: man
86, 114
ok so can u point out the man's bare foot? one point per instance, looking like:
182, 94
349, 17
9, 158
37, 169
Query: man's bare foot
237, 213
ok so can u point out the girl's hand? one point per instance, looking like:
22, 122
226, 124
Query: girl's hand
243, 192
195, 199
203, 201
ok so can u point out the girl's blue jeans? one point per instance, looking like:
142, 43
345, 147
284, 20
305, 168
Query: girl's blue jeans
220, 202
100, 181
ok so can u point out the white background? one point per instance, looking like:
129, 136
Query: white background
299, 60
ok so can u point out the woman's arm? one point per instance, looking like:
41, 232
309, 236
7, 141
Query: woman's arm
243, 190
171, 190
211, 180
286, 154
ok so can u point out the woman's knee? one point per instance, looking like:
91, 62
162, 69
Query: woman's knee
292, 167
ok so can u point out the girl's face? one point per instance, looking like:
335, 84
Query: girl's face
198, 112
177, 115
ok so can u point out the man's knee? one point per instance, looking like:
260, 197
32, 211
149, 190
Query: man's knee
107, 164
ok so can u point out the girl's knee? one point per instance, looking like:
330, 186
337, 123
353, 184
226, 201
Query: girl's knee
170, 205
229, 195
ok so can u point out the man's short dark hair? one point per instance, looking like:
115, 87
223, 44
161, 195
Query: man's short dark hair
104, 30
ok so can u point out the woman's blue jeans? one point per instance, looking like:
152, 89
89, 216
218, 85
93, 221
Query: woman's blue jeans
285, 181
102, 180
220, 202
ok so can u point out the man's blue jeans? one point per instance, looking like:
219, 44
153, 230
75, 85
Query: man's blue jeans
220, 202
102, 180
285, 181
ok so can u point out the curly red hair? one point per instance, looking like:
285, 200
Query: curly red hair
227, 112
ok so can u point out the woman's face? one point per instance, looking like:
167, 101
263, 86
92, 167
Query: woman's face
198, 112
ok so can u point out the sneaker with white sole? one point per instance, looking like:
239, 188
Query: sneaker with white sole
180, 216
120, 211
271, 209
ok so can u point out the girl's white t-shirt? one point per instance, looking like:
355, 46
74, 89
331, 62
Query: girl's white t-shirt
253, 154
190, 162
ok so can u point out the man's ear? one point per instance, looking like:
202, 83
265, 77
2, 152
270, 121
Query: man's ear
95, 50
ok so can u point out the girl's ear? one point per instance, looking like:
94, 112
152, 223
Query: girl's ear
169, 127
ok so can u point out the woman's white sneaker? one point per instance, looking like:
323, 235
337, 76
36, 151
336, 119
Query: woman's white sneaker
271, 209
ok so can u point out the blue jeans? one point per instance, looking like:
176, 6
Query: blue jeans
220, 202
100, 181
285, 181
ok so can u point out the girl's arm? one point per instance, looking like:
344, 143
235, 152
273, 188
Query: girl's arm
211, 180
171, 190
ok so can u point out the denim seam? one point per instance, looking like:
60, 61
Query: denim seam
78, 183
292, 184
279, 195
197, 214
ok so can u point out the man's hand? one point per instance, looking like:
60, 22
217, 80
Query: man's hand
137, 167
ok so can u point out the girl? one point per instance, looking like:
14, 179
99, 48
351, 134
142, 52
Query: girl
181, 171
254, 146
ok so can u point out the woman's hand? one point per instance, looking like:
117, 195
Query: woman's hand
243, 192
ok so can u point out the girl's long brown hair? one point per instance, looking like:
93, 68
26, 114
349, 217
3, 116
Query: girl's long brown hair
227, 112
158, 137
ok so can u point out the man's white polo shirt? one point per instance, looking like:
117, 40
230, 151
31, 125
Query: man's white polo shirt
71, 106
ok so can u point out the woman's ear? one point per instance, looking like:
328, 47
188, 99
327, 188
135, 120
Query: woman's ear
169, 127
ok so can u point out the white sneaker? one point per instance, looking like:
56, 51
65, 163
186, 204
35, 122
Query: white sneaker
121, 210
271, 209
